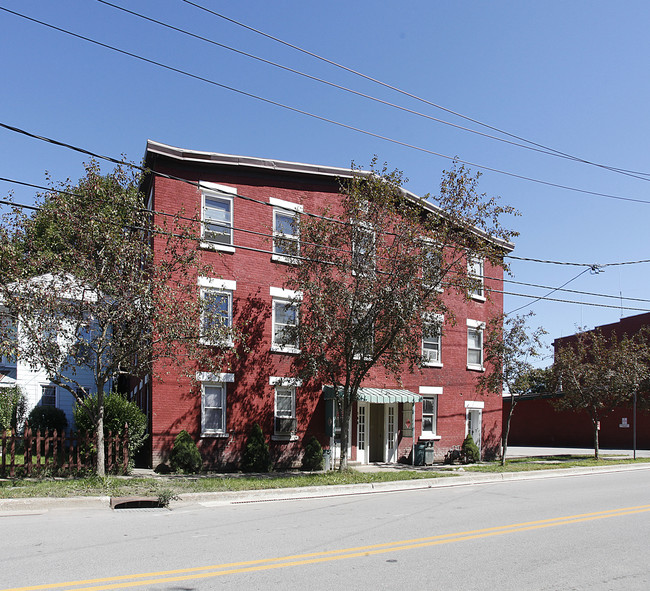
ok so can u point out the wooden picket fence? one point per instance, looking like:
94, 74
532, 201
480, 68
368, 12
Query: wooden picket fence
60, 454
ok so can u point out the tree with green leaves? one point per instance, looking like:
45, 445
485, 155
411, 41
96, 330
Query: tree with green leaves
371, 275
598, 373
509, 351
83, 293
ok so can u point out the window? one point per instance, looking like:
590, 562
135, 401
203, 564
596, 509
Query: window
8, 330
213, 403
363, 335
431, 342
285, 317
475, 272
216, 310
48, 395
217, 215
284, 418
474, 345
285, 227
429, 416
432, 266
363, 250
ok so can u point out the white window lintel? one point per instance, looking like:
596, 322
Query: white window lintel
430, 390
217, 378
215, 283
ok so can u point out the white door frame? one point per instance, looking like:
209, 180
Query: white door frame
474, 420
390, 432
363, 416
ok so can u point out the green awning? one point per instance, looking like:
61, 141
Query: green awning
378, 395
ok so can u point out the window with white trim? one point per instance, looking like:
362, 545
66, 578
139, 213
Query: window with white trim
8, 330
285, 411
213, 403
474, 345
48, 396
363, 249
285, 228
429, 416
432, 266
217, 214
475, 272
285, 318
216, 310
432, 341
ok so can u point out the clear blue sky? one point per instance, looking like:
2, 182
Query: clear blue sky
572, 76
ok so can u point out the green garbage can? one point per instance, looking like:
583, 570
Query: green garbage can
419, 448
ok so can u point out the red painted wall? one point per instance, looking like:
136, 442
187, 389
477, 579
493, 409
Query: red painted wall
535, 422
175, 401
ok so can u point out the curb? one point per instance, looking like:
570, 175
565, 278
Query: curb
31, 506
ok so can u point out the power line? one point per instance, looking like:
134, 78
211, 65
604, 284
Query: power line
271, 252
543, 148
358, 93
325, 119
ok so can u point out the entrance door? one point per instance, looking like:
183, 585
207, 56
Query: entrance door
376, 437
362, 432
390, 428
474, 425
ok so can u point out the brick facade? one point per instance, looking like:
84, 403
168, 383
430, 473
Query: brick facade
175, 402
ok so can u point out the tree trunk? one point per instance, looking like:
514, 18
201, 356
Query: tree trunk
101, 464
345, 433
506, 431
595, 425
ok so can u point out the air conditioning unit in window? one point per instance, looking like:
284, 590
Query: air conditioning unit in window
430, 355
285, 426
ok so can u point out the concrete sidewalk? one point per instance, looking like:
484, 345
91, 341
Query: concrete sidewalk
441, 477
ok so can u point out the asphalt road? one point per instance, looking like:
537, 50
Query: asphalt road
577, 532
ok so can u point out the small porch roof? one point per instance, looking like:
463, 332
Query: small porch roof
378, 395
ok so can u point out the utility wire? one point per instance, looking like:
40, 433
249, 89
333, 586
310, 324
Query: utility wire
543, 148
361, 94
325, 119
240, 196
270, 252
548, 294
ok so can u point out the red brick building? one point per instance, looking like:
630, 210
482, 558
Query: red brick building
242, 201
536, 422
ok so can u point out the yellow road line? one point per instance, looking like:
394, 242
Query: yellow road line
138, 580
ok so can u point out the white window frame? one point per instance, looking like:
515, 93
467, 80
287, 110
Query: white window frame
220, 381
475, 327
432, 416
433, 249
288, 209
9, 360
56, 395
284, 386
223, 287
358, 252
476, 271
437, 319
219, 193
284, 297
431, 392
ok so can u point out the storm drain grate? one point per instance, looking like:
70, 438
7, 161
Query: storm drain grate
136, 503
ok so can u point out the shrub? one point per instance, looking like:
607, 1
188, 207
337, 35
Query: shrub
470, 451
13, 408
118, 411
312, 459
47, 418
185, 456
257, 457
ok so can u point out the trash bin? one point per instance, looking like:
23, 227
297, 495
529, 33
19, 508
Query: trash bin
327, 459
428, 453
419, 450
